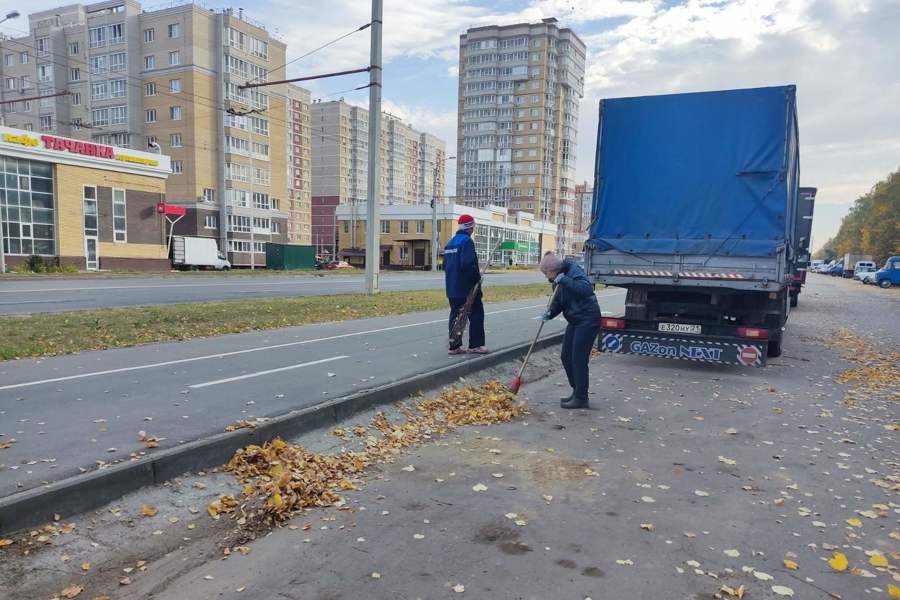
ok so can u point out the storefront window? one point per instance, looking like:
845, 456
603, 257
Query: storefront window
26, 207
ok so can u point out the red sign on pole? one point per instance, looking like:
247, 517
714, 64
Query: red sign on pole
165, 209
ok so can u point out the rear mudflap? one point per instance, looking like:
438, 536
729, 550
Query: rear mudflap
720, 350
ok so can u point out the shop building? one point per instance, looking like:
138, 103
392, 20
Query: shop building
405, 238
73, 202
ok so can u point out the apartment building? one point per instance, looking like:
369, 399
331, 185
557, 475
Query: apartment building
299, 166
413, 164
519, 92
584, 202
168, 80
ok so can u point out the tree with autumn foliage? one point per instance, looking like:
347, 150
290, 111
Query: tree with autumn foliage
872, 226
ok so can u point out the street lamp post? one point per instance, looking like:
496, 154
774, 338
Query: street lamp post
434, 202
13, 14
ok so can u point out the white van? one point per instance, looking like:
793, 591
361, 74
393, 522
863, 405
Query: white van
862, 267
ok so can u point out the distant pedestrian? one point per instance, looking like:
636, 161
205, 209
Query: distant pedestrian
461, 275
576, 300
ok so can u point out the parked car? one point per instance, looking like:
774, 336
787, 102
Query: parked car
862, 268
867, 277
836, 270
889, 274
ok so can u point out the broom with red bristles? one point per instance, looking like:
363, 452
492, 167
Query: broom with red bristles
517, 380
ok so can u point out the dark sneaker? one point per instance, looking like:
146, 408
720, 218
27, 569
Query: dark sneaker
455, 351
575, 403
479, 350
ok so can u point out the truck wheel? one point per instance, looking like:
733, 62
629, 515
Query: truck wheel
774, 350
795, 299
885, 283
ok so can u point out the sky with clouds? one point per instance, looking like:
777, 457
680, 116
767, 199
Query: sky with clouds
843, 55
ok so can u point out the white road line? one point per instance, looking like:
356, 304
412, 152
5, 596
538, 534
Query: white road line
266, 372
245, 351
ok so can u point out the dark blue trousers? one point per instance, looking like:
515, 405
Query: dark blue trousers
576, 353
476, 319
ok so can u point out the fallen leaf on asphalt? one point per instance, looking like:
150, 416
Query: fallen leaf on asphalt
85, 566
690, 535
869, 514
459, 588
208, 577
648, 526
878, 560
6, 542
782, 590
418, 536
244, 550
479, 487
701, 493
838, 561
893, 591
547, 498
727, 461
854, 522
791, 564
148, 511
376, 575
819, 524
731, 553
103, 597
125, 581
731, 431
240, 589
408, 468
72, 591
762, 576
627, 562
737, 593
648, 499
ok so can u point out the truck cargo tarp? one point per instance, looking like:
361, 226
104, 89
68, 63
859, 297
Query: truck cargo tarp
711, 173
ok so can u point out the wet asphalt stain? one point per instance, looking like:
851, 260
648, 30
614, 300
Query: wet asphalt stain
593, 572
566, 563
514, 548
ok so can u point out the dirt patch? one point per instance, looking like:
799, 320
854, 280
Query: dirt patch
565, 563
496, 532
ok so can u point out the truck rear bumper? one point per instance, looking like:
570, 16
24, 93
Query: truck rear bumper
700, 348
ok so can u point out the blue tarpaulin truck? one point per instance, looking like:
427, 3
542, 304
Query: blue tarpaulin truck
806, 204
694, 214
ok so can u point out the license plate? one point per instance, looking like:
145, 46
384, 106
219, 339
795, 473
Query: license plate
679, 328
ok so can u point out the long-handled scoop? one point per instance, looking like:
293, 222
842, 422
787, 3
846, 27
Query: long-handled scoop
517, 380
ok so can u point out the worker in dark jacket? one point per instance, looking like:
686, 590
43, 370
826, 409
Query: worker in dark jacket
462, 274
575, 299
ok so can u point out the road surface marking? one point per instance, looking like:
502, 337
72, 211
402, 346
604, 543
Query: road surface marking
266, 372
245, 351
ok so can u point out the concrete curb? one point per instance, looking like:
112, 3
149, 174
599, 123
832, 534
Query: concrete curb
82, 493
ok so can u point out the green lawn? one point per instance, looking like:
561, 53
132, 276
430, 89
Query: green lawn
62, 333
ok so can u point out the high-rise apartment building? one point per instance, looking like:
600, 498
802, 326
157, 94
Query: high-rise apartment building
519, 92
169, 80
299, 166
413, 164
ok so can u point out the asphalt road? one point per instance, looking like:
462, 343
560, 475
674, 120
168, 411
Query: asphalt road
68, 412
56, 295
681, 479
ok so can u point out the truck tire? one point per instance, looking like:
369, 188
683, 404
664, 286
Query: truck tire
795, 299
885, 283
774, 350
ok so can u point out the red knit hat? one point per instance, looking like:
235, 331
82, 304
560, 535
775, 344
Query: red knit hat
466, 222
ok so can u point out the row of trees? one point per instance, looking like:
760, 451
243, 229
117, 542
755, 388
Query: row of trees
872, 226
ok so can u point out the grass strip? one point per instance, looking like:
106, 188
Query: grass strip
49, 334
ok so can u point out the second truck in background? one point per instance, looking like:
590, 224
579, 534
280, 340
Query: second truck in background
695, 215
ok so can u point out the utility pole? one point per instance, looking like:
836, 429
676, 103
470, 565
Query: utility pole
435, 240
373, 224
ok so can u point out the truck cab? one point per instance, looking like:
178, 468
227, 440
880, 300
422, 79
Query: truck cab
889, 274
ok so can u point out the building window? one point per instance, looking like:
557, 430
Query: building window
150, 116
175, 113
98, 64
26, 106
120, 229
29, 228
239, 223
174, 30
47, 123
404, 226
150, 62
175, 85
404, 253
73, 49
118, 115
8, 60
117, 33
75, 74
117, 61
238, 246
177, 167
45, 73
76, 124
42, 45
76, 99
97, 36
261, 200
211, 222
90, 210
175, 140
150, 89
236, 198
420, 226
149, 35
209, 195
347, 226
10, 83
259, 247
174, 58
386, 226
98, 90
117, 88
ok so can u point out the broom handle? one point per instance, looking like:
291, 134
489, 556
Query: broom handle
537, 335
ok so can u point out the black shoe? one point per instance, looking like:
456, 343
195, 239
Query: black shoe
574, 402
566, 399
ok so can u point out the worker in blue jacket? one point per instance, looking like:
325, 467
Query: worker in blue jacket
461, 275
575, 299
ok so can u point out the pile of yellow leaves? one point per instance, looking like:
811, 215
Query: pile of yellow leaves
37, 538
877, 373
291, 478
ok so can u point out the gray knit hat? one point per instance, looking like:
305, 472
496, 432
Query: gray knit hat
550, 262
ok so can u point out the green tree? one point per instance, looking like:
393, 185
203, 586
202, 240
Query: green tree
872, 226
